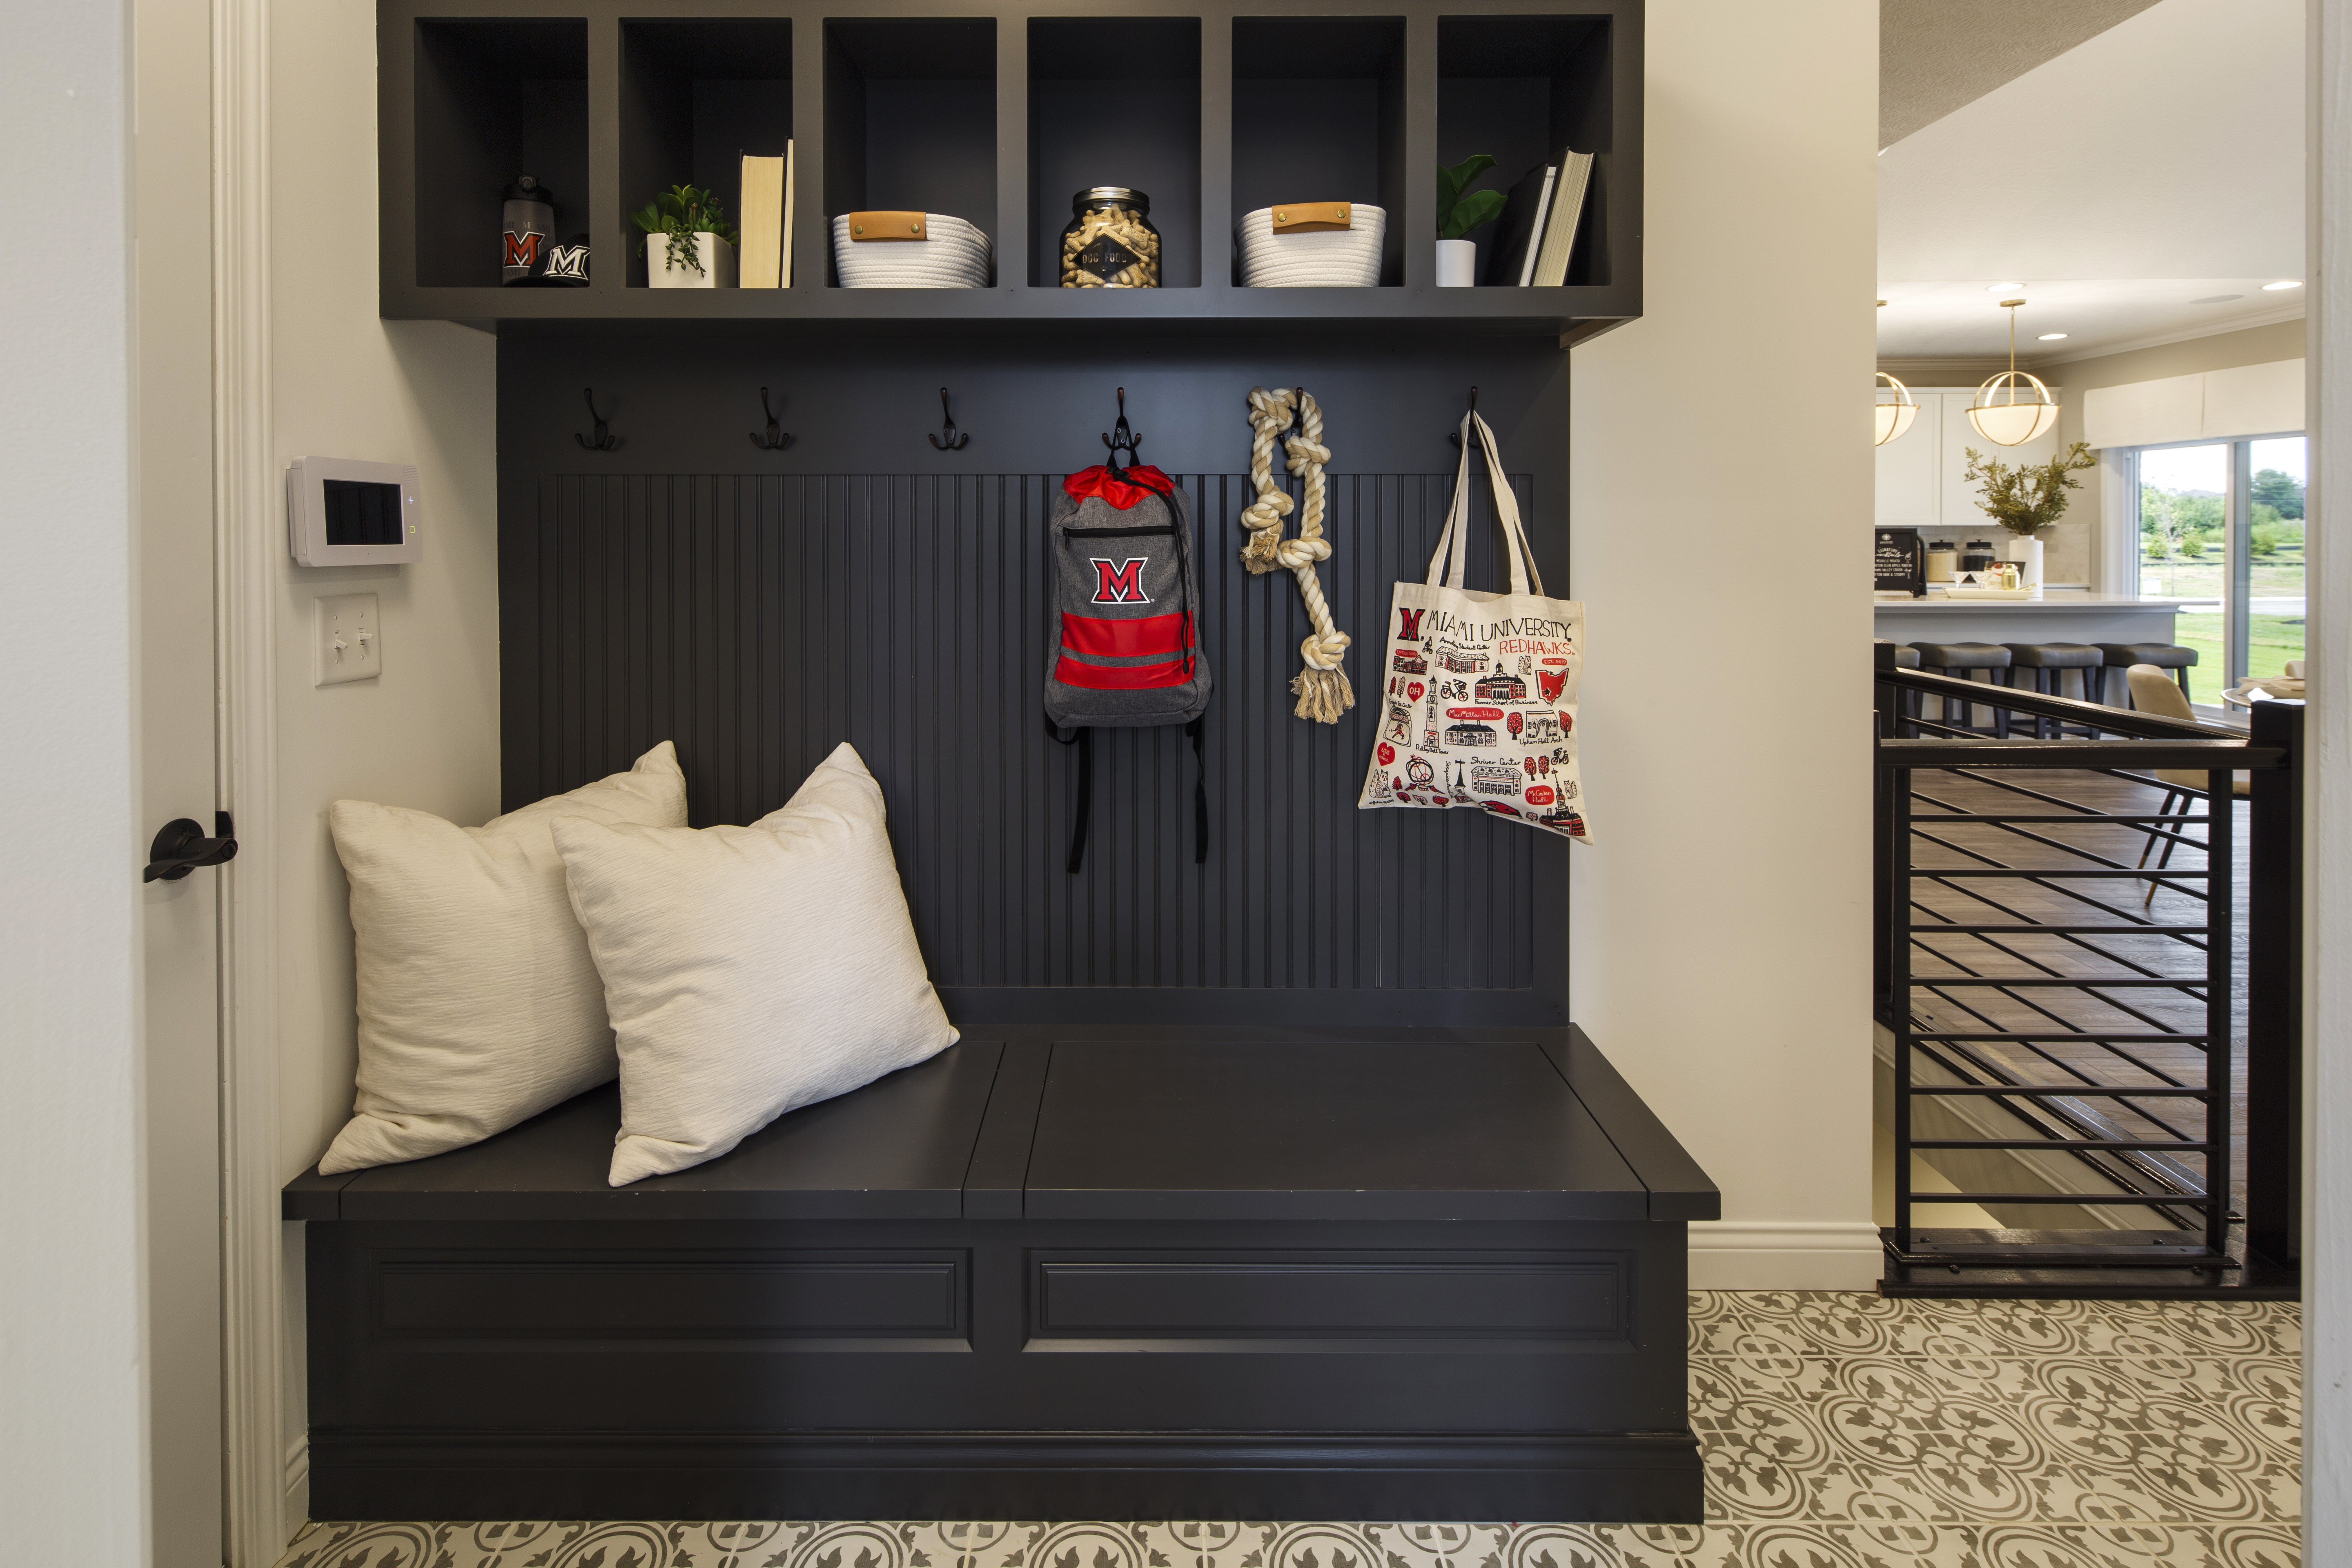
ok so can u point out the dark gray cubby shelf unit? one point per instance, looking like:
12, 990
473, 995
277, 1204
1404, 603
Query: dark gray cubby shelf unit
998, 112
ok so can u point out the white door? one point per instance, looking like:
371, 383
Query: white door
1907, 472
171, 301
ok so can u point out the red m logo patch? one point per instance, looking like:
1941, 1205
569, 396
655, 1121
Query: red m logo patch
1120, 583
522, 249
1408, 622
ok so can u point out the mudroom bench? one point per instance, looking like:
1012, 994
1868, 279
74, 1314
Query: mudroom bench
1110, 1273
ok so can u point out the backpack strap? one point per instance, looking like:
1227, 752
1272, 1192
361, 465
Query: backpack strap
1082, 738
1200, 794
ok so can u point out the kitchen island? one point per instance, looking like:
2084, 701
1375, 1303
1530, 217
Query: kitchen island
2062, 617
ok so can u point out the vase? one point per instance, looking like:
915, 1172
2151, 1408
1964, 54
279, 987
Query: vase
2025, 549
718, 258
1457, 263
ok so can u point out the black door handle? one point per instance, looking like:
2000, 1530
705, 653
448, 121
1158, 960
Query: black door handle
181, 847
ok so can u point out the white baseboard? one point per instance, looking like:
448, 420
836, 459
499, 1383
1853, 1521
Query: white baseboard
1784, 1255
298, 1483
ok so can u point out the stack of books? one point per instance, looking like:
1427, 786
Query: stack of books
1536, 233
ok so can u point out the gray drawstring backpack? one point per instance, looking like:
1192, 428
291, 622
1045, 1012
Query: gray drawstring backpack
1123, 648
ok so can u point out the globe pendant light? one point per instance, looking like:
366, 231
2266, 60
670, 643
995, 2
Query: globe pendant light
1999, 414
1894, 418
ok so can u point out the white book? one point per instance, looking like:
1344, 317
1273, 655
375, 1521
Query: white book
1567, 210
763, 226
1534, 234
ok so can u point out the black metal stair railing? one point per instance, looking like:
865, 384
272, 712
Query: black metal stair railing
2059, 925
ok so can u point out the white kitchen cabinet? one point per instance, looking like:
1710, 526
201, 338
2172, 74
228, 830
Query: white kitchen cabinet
1922, 480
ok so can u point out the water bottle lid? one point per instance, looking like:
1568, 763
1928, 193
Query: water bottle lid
527, 188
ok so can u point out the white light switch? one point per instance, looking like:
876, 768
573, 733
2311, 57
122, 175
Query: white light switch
347, 640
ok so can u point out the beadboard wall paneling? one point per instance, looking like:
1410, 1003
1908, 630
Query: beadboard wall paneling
758, 621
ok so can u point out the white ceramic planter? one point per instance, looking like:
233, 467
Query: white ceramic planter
1457, 263
717, 259
2025, 549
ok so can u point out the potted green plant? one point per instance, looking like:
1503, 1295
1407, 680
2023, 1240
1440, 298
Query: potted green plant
2027, 499
689, 243
1460, 210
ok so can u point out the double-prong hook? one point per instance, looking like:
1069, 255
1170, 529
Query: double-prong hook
949, 439
1456, 435
1122, 437
777, 438
604, 440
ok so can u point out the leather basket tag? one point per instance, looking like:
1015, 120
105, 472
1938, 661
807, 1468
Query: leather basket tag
865, 226
1311, 217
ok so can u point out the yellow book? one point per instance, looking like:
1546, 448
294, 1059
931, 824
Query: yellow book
764, 223
788, 215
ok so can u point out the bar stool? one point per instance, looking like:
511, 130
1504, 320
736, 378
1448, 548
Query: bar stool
1906, 702
1959, 659
2122, 655
2047, 663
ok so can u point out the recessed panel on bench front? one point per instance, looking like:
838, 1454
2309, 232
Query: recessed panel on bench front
1342, 1301
684, 1293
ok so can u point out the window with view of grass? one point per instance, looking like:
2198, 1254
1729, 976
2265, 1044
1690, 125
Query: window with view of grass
2224, 521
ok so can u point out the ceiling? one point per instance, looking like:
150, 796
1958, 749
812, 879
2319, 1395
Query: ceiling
1935, 56
2126, 181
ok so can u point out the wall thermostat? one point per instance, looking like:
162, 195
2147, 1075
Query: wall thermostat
341, 512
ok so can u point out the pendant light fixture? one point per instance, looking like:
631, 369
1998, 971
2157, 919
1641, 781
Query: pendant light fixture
1894, 418
1999, 414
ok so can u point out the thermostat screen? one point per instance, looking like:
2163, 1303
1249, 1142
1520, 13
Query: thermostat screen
359, 512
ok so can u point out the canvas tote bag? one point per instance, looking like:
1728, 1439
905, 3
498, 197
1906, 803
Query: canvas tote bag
1478, 705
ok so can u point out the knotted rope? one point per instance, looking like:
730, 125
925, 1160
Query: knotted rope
1322, 687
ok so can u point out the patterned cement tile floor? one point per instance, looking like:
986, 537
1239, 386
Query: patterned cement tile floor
1840, 1431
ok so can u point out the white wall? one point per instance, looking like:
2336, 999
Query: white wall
72, 1430
1722, 919
345, 384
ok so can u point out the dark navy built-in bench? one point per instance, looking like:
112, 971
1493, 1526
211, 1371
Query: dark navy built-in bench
1089, 1272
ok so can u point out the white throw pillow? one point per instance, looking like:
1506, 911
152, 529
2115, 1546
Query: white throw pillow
478, 1003
750, 971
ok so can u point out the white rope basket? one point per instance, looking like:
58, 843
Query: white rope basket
955, 255
1334, 258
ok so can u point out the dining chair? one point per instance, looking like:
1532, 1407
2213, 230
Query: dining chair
2153, 692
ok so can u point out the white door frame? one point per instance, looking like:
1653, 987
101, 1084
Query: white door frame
247, 529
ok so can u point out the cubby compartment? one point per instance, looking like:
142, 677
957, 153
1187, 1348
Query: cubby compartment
1524, 87
495, 100
1319, 115
910, 119
1115, 102
696, 96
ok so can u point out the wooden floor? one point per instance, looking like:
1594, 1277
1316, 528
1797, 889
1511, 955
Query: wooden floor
2121, 946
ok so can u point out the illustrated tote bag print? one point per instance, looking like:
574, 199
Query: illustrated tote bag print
1478, 694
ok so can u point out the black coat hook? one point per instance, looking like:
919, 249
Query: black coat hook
604, 440
1456, 437
1122, 437
949, 439
777, 438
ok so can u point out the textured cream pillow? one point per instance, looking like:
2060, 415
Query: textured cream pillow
750, 971
479, 1004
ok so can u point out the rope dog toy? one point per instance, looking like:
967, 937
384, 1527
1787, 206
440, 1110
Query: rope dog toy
1322, 687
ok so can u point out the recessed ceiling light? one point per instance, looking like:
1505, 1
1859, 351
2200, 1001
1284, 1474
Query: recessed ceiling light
2283, 283
2051, 337
2217, 299
2004, 287
1881, 304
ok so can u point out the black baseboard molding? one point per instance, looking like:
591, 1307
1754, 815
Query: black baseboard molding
1627, 1477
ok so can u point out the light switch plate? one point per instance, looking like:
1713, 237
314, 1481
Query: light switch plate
346, 641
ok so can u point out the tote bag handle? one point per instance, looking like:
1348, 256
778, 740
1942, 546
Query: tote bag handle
1447, 566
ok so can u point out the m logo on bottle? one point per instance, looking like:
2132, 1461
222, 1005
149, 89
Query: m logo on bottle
522, 249
1119, 583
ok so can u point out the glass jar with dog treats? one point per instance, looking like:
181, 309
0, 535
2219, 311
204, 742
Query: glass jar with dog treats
1110, 243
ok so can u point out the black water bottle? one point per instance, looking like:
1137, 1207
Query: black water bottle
528, 224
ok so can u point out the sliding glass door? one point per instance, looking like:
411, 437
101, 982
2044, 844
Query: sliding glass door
2221, 524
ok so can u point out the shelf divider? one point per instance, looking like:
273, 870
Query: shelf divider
1420, 215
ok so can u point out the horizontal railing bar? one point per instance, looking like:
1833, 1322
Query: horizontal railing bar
2101, 1200
2066, 1091
2065, 1146
2179, 1258
2053, 929
2196, 756
2175, 819
2079, 981
2063, 1036
2150, 875
1984, 694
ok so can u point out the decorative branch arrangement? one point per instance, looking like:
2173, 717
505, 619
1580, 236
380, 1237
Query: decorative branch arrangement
2029, 498
681, 212
1322, 686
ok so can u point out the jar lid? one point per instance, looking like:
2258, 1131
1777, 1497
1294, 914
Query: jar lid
1096, 195
527, 188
